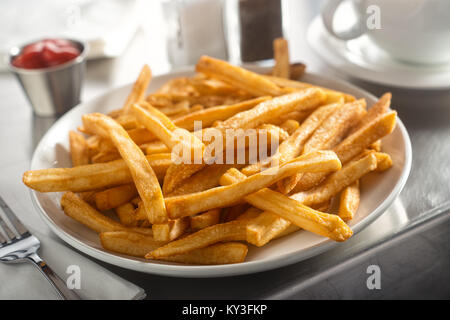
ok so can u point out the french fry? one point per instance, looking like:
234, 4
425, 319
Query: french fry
379, 108
167, 131
127, 215
90, 177
88, 196
82, 212
290, 126
210, 115
232, 213
238, 77
293, 84
103, 157
221, 253
134, 244
79, 151
205, 179
293, 146
186, 205
376, 146
230, 231
384, 161
327, 135
296, 70
308, 99
336, 126
138, 92
205, 219
353, 145
129, 243
156, 147
337, 181
249, 214
170, 230
349, 201
281, 55
142, 173
114, 197
291, 210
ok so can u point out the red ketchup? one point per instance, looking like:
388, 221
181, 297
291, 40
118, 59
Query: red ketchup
46, 53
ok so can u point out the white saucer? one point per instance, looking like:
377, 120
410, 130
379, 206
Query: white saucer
360, 58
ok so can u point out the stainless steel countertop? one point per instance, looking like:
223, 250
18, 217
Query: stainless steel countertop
410, 242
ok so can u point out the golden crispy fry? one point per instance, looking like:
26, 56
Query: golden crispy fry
88, 196
384, 161
177, 173
254, 117
286, 83
338, 181
298, 116
178, 108
134, 244
379, 108
327, 135
249, 214
281, 56
79, 151
296, 70
127, 121
142, 173
265, 111
234, 212
230, 231
138, 135
309, 219
349, 201
91, 176
156, 147
290, 126
166, 130
103, 157
129, 243
273, 130
376, 146
369, 133
238, 77
214, 87
353, 145
210, 115
205, 179
293, 146
205, 219
82, 212
114, 197
185, 205
138, 92
127, 215
336, 126
221, 253
170, 230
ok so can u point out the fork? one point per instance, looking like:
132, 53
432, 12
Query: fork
19, 245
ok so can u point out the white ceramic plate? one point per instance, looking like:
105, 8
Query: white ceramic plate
378, 192
362, 59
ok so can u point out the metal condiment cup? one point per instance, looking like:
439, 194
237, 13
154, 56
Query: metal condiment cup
54, 90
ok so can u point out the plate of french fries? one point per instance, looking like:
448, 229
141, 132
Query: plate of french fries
219, 171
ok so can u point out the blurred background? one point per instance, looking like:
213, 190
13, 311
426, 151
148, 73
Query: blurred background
166, 34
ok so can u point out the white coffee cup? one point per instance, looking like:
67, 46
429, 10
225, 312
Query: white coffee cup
415, 31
